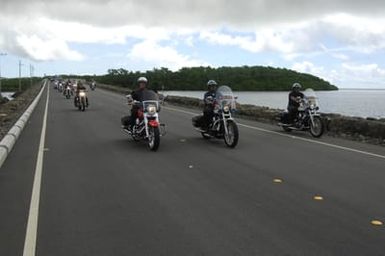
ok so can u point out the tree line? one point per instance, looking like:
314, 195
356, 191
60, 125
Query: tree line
245, 78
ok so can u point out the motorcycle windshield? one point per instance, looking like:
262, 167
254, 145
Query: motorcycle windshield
311, 97
149, 95
150, 98
225, 97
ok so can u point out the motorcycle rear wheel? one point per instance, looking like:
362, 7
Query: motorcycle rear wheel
154, 138
286, 129
232, 137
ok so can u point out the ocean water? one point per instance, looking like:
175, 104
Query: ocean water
360, 103
7, 95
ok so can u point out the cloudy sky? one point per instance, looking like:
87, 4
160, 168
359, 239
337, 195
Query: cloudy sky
343, 41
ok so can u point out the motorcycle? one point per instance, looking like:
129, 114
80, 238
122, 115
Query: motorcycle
81, 101
222, 126
93, 86
147, 125
60, 87
308, 118
67, 92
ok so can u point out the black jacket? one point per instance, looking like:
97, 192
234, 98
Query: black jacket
293, 103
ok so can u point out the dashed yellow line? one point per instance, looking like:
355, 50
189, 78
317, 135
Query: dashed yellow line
376, 223
277, 180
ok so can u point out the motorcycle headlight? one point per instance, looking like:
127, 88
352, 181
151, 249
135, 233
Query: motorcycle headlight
82, 94
151, 109
226, 108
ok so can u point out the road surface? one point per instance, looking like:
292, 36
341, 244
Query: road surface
103, 194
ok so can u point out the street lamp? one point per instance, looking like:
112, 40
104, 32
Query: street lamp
1, 54
20, 64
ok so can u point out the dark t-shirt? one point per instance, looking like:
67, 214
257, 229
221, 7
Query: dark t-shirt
208, 107
293, 103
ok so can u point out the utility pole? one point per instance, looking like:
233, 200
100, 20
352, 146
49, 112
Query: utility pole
31, 72
20, 64
1, 54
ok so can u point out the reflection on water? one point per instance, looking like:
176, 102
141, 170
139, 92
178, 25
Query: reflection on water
7, 95
362, 103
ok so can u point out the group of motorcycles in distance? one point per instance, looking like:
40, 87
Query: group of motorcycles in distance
148, 127
70, 88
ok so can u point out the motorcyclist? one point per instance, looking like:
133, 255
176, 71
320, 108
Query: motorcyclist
208, 99
129, 121
80, 87
295, 97
93, 84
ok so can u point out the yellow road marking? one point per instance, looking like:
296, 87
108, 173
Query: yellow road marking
376, 222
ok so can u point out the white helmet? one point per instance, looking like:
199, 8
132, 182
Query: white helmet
142, 79
211, 83
296, 86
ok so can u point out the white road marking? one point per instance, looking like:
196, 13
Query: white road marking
33, 216
293, 137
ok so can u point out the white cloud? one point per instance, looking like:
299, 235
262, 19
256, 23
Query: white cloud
310, 68
157, 55
42, 50
364, 70
263, 40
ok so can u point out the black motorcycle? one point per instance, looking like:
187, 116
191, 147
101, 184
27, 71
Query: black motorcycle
222, 126
308, 118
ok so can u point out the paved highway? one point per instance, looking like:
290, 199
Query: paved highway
102, 194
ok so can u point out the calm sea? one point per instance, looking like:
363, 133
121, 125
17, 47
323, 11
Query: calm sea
7, 95
361, 103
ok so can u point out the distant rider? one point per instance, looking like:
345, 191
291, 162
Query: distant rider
295, 97
129, 121
80, 87
208, 99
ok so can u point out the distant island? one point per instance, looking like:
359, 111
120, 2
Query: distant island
245, 78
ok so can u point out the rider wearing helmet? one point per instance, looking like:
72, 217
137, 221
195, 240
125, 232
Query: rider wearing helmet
80, 87
208, 99
129, 121
295, 96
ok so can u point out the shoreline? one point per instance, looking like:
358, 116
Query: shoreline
366, 130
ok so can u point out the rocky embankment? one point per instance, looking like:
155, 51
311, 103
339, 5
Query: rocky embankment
366, 130
10, 111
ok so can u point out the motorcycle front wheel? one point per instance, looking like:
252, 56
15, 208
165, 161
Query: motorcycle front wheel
317, 127
232, 135
205, 136
153, 138
83, 105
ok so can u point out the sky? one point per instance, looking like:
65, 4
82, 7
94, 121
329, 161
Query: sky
342, 41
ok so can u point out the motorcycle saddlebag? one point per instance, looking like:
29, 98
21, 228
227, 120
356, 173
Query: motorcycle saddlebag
197, 121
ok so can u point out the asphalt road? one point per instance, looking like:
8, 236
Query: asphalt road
103, 194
